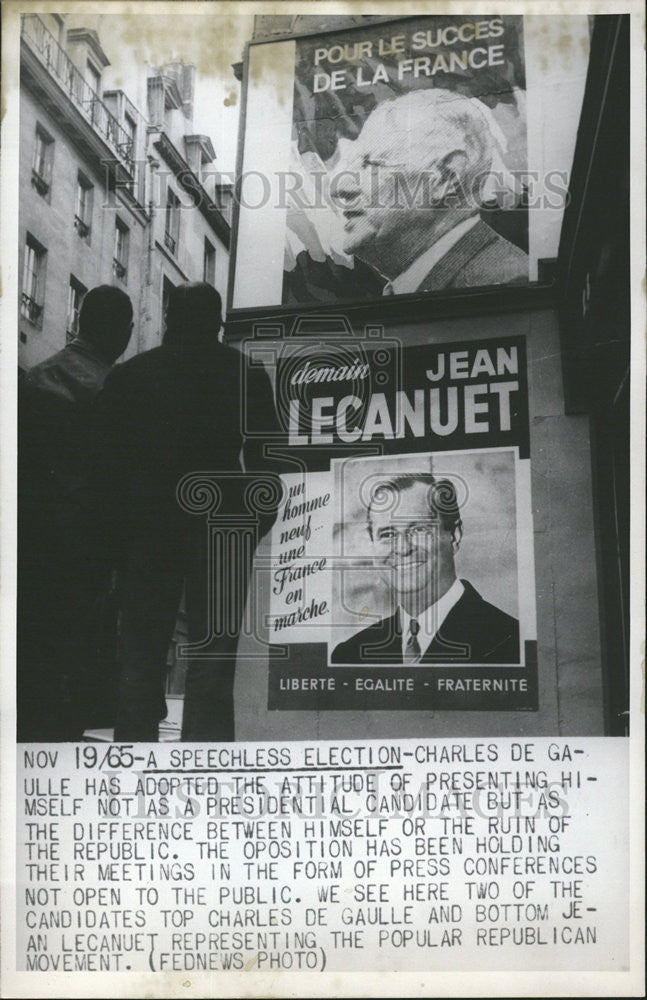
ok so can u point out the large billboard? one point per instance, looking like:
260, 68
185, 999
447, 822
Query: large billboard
407, 157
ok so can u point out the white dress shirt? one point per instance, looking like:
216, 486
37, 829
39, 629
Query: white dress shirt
411, 279
431, 618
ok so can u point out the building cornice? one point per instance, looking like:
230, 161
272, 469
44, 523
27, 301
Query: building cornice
208, 153
91, 39
190, 182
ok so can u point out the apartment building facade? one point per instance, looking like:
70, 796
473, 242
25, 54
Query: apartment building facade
109, 193
189, 233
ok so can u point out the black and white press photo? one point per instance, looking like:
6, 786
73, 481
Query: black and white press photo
322, 499
166, 426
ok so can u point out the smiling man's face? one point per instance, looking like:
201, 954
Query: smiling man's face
412, 550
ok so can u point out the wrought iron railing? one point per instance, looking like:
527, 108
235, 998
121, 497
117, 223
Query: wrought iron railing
118, 268
72, 331
169, 242
39, 182
81, 226
84, 98
30, 308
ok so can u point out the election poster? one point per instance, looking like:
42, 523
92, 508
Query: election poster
411, 156
389, 117
410, 499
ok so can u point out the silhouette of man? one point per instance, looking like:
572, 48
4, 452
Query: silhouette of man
167, 412
61, 567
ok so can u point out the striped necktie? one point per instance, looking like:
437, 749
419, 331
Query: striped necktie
412, 650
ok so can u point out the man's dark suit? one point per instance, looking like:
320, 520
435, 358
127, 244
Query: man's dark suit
177, 409
62, 575
473, 632
480, 257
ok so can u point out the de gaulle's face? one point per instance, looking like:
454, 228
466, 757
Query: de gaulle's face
412, 550
370, 182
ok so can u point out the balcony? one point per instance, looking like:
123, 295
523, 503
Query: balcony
30, 308
58, 64
72, 331
118, 269
81, 227
39, 182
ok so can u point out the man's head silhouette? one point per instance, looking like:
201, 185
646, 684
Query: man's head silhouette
194, 314
106, 321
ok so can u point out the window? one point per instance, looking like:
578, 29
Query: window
224, 200
172, 224
167, 288
88, 93
60, 27
41, 173
75, 294
33, 281
94, 78
127, 150
73, 80
209, 271
56, 25
83, 210
120, 258
130, 128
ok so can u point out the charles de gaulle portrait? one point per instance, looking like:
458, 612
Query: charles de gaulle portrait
410, 189
415, 527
